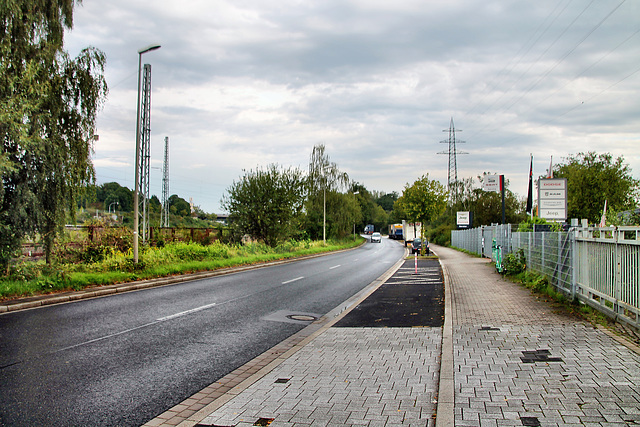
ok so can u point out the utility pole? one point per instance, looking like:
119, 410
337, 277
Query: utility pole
145, 149
452, 178
136, 191
165, 185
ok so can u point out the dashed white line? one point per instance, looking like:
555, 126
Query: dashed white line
184, 313
335, 266
293, 280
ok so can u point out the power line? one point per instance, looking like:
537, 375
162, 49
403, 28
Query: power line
558, 62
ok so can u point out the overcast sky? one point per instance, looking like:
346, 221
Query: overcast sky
245, 83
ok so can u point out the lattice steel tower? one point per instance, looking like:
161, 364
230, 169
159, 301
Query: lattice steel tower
452, 178
165, 185
145, 151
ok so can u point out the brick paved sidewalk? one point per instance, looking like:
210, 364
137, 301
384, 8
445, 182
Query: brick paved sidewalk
516, 362
503, 358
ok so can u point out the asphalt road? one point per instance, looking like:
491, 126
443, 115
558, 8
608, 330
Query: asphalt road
123, 359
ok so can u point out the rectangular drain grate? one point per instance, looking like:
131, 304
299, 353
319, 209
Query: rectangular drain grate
281, 381
538, 356
489, 328
530, 421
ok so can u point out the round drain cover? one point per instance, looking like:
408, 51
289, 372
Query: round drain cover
301, 317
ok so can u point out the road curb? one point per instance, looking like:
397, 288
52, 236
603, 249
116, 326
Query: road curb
446, 394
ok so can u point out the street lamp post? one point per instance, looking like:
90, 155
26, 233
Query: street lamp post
324, 205
137, 172
354, 224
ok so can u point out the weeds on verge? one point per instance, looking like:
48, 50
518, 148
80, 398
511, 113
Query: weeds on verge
75, 271
515, 269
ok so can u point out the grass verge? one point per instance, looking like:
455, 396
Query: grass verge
28, 279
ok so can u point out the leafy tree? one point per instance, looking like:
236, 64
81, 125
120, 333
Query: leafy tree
379, 218
48, 106
179, 206
267, 203
323, 173
324, 178
111, 192
155, 205
203, 215
424, 201
386, 201
593, 178
487, 205
398, 213
343, 213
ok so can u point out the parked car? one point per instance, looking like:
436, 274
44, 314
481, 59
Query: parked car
376, 238
419, 246
416, 246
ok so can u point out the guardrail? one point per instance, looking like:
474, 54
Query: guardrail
599, 266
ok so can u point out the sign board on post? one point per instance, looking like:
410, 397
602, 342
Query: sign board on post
463, 219
491, 183
552, 199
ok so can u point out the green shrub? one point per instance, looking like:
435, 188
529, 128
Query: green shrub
175, 258
186, 251
440, 235
514, 263
110, 240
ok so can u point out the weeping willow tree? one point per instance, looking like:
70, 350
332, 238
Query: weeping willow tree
48, 108
327, 207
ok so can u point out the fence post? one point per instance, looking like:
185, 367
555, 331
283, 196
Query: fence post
574, 262
542, 263
559, 267
618, 279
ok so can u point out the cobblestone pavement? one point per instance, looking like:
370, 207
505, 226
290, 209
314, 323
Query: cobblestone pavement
516, 362
503, 358
346, 377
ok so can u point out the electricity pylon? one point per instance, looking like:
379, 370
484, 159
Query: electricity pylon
452, 178
165, 185
145, 151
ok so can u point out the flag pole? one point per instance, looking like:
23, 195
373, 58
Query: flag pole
529, 207
531, 178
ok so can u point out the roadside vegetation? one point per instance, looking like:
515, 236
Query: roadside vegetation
514, 269
105, 265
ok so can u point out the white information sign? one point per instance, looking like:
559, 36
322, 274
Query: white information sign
463, 219
552, 199
491, 183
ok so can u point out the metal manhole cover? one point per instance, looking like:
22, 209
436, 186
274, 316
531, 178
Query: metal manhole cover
302, 317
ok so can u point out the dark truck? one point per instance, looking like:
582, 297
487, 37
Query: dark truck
395, 231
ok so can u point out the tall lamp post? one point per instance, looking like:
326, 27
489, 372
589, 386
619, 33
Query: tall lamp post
354, 224
137, 184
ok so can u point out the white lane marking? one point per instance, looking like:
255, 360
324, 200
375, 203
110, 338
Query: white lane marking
105, 337
293, 280
184, 313
115, 334
335, 266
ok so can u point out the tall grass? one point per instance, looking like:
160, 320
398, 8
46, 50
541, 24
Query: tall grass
33, 278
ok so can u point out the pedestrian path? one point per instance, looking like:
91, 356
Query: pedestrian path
503, 358
517, 362
346, 376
